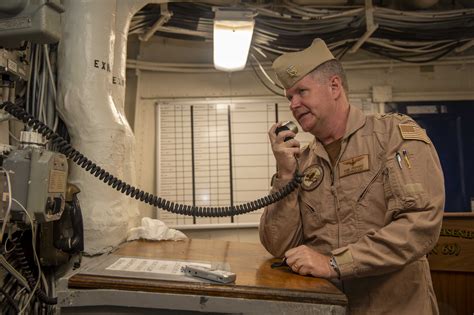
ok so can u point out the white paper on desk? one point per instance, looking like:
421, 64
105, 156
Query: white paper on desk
168, 267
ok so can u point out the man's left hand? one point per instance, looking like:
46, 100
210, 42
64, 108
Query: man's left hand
307, 261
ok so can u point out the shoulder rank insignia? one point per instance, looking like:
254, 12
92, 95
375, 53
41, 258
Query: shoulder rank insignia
312, 177
410, 131
391, 115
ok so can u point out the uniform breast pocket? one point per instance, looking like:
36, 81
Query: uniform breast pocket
363, 187
369, 204
311, 211
406, 187
371, 187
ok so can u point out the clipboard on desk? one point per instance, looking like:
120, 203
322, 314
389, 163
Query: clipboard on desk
145, 268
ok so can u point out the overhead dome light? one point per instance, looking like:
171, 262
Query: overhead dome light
233, 30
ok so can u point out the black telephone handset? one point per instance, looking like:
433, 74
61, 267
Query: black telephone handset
287, 125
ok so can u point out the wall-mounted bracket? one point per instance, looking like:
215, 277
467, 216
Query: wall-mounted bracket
165, 17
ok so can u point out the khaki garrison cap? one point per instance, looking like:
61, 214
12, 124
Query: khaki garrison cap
292, 67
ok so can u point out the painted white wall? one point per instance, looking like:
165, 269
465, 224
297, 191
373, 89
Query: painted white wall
449, 79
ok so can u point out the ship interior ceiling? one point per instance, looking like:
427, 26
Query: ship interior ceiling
384, 28
116, 124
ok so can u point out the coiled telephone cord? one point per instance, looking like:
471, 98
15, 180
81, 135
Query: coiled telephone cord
65, 148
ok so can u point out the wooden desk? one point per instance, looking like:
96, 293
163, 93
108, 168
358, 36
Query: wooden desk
257, 290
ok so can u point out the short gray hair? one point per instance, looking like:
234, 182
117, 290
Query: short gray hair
328, 69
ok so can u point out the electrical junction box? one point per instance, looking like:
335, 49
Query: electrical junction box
39, 183
38, 21
17, 164
13, 63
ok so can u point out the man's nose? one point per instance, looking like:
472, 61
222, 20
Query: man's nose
295, 102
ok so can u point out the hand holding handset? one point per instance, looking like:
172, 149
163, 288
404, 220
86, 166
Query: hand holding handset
217, 275
288, 125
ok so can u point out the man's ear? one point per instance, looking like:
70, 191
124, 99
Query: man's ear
336, 86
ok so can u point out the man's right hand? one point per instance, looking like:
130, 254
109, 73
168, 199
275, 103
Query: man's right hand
284, 152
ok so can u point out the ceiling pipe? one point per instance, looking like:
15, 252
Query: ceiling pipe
417, 4
402, 4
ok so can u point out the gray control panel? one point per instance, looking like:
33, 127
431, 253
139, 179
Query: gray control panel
39, 183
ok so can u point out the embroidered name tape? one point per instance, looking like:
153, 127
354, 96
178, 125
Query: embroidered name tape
354, 165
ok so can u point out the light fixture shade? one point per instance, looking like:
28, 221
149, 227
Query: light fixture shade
231, 44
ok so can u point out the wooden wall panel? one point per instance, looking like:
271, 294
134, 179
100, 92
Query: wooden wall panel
454, 291
452, 265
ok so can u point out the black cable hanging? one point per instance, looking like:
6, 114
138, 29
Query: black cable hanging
65, 148
10, 301
410, 58
264, 83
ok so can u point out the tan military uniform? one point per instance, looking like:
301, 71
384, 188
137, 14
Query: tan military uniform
377, 213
